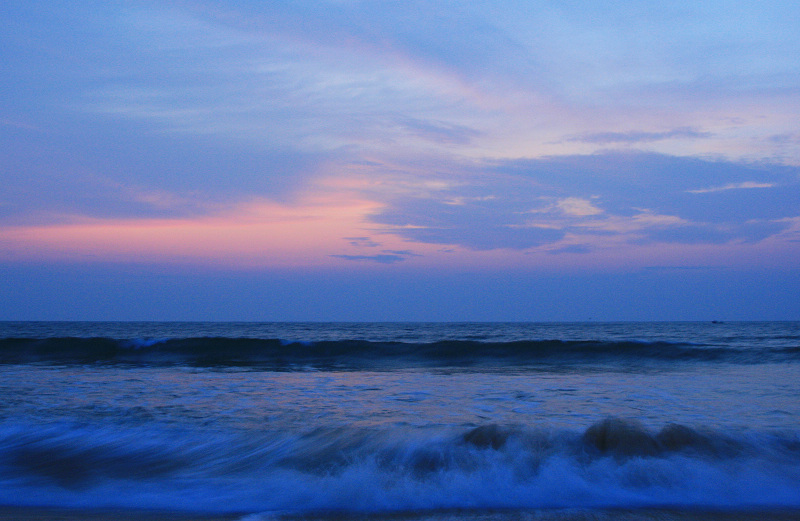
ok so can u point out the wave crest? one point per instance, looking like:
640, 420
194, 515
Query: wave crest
357, 354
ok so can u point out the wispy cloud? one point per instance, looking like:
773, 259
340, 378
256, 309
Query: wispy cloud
785, 138
19, 125
365, 242
380, 259
438, 131
639, 198
475, 129
733, 186
407, 253
638, 136
577, 207
682, 268
259, 233
572, 248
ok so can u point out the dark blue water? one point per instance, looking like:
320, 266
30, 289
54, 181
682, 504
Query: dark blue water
247, 417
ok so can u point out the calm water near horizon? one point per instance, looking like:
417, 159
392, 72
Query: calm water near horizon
296, 418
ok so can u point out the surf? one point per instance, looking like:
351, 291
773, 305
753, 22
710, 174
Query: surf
614, 463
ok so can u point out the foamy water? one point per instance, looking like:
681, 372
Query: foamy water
375, 418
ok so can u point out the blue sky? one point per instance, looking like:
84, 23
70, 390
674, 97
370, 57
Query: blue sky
363, 160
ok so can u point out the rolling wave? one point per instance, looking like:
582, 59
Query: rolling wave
287, 355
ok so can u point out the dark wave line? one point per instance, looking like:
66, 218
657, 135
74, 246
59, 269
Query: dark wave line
207, 351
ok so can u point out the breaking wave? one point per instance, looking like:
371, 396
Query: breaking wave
614, 463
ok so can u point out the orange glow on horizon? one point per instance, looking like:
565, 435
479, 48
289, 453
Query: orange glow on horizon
323, 230
257, 233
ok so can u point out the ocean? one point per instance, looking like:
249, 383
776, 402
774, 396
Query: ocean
503, 421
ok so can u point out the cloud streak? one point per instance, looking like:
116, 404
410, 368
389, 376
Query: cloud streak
384, 258
747, 185
633, 137
636, 197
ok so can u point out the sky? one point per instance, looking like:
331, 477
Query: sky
374, 160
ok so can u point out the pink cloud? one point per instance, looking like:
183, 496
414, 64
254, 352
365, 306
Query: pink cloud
259, 233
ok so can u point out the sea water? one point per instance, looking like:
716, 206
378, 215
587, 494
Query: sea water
272, 419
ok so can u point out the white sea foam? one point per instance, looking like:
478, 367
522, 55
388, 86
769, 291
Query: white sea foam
373, 470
